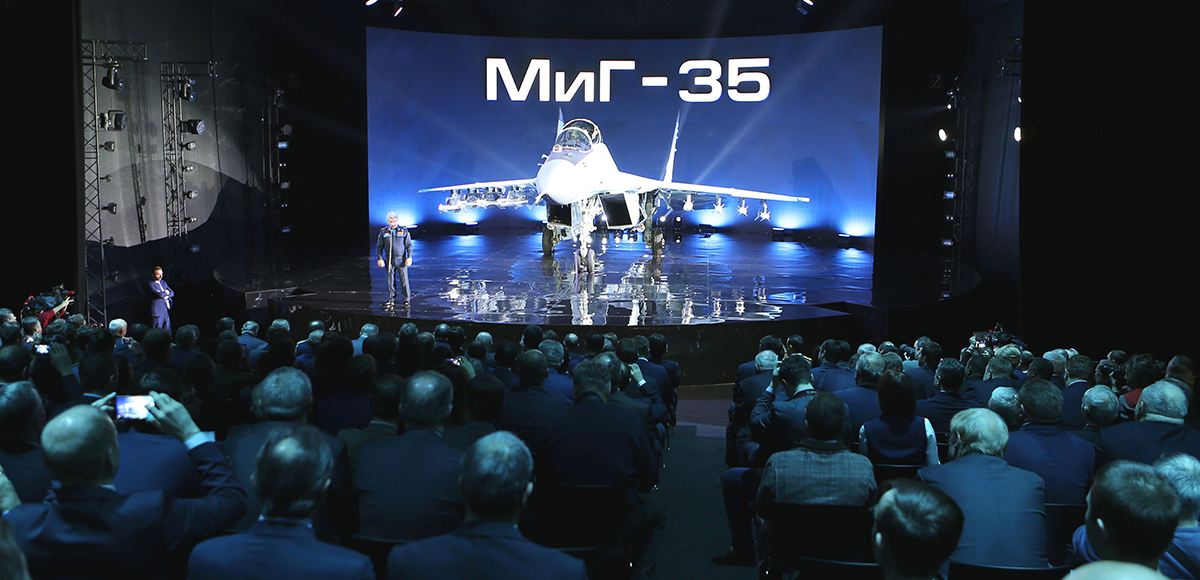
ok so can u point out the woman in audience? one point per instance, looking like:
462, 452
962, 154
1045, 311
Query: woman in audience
898, 436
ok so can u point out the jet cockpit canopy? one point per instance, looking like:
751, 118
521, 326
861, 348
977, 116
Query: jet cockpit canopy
579, 135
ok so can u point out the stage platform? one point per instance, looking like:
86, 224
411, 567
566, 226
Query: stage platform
705, 291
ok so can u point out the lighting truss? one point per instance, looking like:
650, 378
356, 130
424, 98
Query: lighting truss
95, 54
170, 77
963, 169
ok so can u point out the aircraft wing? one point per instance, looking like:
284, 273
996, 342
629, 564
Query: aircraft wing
703, 196
486, 194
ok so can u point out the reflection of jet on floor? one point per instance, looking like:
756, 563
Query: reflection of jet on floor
579, 181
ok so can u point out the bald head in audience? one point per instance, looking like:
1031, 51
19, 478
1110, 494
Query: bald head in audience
1162, 401
497, 478
80, 447
1114, 571
1100, 406
426, 401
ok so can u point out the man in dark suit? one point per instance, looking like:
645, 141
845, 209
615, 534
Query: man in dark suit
85, 529
497, 478
829, 376
658, 352
738, 444
556, 382
506, 356
292, 471
998, 374
1133, 515
946, 402
775, 426
285, 396
863, 399
1158, 428
917, 527
407, 487
366, 331
528, 408
385, 419
1004, 506
160, 302
929, 355
594, 443
749, 369
350, 408
1065, 463
655, 371
184, 347
484, 400
1080, 370
627, 393
21, 421
1100, 408
249, 337
150, 459
594, 343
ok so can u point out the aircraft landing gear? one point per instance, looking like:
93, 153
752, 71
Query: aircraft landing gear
550, 238
585, 259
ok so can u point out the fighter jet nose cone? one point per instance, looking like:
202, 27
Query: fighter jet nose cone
557, 181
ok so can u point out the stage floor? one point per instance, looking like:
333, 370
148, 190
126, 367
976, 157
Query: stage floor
501, 277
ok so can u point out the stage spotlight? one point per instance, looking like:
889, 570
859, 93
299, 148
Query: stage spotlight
396, 8
186, 90
371, 2
108, 241
285, 185
678, 219
947, 195
110, 208
141, 200
114, 120
1017, 134
107, 178
190, 145
283, 144
195, 248
802, 6
687, 204
109, 146
285, 230
764, 214
112, 79
286, 130
191, 194
193, 126
943, 135
662, 219
949, 154
719, 208
188, 220
777, 234
947, 242
189, 168
743, 209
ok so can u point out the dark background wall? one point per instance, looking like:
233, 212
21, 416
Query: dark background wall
1099, 233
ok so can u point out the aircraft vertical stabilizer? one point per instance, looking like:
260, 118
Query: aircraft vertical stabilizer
560, 123
667, 175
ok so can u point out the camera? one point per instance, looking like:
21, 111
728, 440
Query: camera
41, 348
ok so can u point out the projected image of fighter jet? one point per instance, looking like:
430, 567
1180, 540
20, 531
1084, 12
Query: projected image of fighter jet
579, 182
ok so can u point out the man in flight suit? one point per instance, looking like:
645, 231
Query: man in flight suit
394, 250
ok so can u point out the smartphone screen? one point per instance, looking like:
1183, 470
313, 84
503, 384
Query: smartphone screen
134, 406
41, 348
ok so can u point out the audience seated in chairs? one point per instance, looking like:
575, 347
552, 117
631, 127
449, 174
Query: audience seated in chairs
1099, 409
1131, 517
946, 402
822, 471
150, 459
407, 487
1064, 462
484, 399
21, 422
917, 527
529, 407
862, 400
1006, 403
385, 418
88, 526
292, 474
1005, 515
594, 443
1158, 428
898, 436
496, 481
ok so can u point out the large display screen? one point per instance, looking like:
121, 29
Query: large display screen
795, 115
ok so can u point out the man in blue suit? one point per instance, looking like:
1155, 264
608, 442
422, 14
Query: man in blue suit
929, 354
292, 471
407, 486
1004, 507
1158, 428
556, 382
528, 408
828, 376
1080, 370
497, 478
658, 352
946, 402
1065, 463
150, 459
86, 529
160, 303
863, 399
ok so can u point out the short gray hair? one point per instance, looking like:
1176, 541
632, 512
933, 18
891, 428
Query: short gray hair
1166, 399
1006, 403
117, 325
1182, 471
1059, 358
1100, 405
281, 323
368, 330
485, 338
870, 366
425, 400
554, 352
978, 431
496, 470
391, 215
286, 394
314, 337
866, 347
251, 327
766, 361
